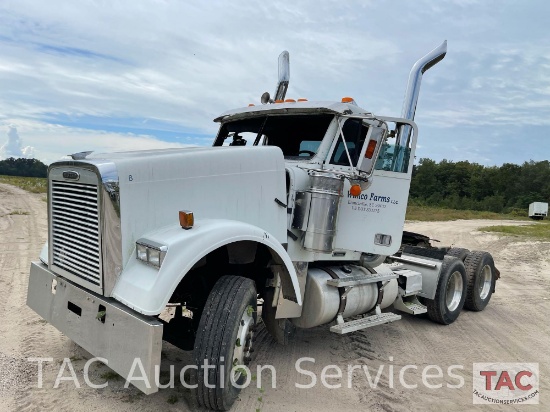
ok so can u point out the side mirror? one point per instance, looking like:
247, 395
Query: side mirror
371, 148
266, 98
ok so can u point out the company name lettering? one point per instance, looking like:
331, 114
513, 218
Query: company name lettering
372, 196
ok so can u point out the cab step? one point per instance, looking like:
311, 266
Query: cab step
363, 323
360, 280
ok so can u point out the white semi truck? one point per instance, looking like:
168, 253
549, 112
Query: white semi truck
538, 210
299, 205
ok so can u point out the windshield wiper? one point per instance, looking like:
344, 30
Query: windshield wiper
259, 135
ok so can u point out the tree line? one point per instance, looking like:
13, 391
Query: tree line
509, 188
23, 167
461, 185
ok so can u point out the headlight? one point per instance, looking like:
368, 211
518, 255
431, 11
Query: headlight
141, 251
150, 252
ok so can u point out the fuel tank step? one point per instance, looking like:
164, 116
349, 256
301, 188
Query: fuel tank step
364, 323
360, 280
416, 309
413, 307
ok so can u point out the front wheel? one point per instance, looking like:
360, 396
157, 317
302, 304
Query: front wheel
224, 342
450, 293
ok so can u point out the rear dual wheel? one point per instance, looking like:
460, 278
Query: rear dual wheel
450, 294
481, 273
468, 285
458, 252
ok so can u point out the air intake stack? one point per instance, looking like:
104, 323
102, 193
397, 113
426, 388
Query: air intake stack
284, 78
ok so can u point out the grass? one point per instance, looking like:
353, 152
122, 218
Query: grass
538, 230
18, 212
132, 397
30, 184
110, 375
432, 214
172, 399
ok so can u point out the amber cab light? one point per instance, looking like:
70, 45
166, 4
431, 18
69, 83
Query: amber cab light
186, 219
370, 149
355, 190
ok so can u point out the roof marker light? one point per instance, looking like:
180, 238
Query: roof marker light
290, 101
347, 100
302, 99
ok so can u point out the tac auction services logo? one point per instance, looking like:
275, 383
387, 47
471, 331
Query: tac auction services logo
506, 383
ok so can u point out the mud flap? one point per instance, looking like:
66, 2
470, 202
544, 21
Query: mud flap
280, 329
497, 277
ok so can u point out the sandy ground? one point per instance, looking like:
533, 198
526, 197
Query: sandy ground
515, 327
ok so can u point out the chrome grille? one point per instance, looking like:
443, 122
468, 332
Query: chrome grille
75, 229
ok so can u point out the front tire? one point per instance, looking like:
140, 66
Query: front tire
224, 340
450, 294
480, 270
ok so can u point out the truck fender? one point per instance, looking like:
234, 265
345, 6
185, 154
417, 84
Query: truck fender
147, 289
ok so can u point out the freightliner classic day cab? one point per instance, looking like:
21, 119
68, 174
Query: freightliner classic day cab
299, 205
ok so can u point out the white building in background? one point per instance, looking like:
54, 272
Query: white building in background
14, 146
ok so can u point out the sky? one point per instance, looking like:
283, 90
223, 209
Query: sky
110, 75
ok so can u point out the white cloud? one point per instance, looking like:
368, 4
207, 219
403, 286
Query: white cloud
14, 146
56, 141
183, 63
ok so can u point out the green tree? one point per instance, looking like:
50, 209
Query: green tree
23, 167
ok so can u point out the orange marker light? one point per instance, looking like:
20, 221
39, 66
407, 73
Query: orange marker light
187, 219
279, 101
290, 101
302, 99
347, 99
251, 104
370, 149
355, 190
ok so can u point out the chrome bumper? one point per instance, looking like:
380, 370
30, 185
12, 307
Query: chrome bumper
121, 336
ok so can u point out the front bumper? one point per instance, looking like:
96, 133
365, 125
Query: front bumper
104, 327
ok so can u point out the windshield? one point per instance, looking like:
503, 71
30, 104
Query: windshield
355, 133
298, 136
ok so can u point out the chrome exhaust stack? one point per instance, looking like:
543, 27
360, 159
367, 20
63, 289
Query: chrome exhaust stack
284, 78
411, 95
415, 78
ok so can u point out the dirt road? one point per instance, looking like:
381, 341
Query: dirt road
515, 327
